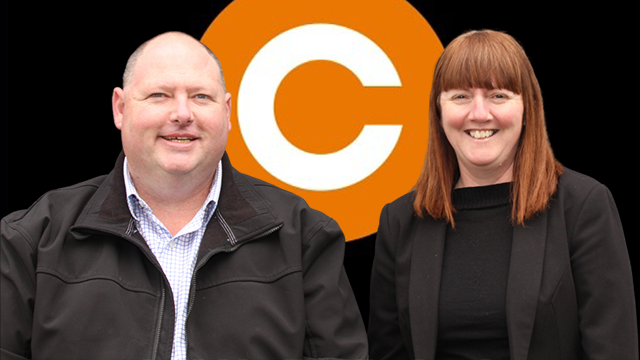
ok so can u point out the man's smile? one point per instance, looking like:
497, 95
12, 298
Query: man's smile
179, 139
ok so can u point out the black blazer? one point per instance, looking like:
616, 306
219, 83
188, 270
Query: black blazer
569, 291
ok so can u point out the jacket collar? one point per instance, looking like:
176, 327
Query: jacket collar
523, 284
242, 214
241, 207
424, 286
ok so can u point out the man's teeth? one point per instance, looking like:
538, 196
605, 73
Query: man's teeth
481, 134
183, 140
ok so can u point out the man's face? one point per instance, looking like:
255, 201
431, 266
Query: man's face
173, 113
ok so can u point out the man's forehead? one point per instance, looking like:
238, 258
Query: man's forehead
175, 49
177, 57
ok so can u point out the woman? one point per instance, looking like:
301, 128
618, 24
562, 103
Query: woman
499, 252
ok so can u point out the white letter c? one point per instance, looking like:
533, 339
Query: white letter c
256, 115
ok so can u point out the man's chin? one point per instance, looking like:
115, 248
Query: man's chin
187, 169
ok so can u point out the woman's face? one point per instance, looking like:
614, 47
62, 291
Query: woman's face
483, 127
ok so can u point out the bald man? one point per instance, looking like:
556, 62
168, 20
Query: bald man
175, 254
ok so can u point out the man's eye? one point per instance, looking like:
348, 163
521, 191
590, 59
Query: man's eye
157, 95
202, 96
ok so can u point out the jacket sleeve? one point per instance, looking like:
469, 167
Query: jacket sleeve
17, 286
604, 285
385, 337
334, 327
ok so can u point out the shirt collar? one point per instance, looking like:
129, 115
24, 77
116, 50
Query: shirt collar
137, 205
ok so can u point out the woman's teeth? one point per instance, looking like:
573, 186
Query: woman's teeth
481, 134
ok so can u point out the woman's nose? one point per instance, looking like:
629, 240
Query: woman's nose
480, 109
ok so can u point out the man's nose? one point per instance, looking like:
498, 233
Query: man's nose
182, 111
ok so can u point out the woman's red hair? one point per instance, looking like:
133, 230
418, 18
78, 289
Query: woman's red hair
488, 59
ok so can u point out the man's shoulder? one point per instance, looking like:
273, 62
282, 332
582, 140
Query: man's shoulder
285, 203
64, 202
270, 191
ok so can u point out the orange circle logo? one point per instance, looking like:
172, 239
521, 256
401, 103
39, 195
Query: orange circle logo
331, 99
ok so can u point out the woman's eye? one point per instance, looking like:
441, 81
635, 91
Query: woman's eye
500, 97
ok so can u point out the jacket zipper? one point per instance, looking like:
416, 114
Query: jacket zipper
204, 260
159, 329
232, 240
131, 229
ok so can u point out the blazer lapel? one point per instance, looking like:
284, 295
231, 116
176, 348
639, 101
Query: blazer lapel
523, 286
424, 286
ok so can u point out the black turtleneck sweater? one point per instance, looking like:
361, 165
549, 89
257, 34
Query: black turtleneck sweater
472, 316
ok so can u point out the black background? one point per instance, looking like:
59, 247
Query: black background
60, 62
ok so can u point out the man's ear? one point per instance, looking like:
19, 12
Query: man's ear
227, 99
117, 105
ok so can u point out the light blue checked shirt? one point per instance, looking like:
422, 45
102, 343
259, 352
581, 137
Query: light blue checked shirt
176, 254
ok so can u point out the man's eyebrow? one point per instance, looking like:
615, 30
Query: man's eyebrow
196, 88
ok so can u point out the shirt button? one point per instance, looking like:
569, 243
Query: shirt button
172, 244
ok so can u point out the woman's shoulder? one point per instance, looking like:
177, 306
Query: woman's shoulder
399, 213
578, 191
574, 184
403, 204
